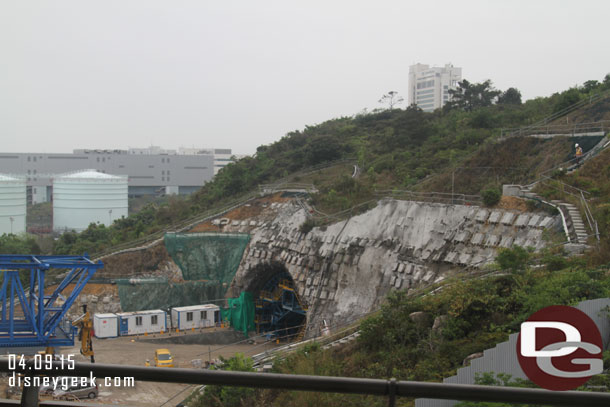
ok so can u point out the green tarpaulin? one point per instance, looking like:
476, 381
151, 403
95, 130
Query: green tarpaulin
207, 256
158, 293
240, 313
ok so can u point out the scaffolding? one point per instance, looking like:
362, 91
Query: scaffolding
278, 308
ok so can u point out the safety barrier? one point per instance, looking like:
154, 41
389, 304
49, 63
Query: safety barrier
391, 388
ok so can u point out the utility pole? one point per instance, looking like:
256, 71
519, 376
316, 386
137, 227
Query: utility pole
452, 185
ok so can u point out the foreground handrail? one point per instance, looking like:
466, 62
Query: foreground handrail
378, 387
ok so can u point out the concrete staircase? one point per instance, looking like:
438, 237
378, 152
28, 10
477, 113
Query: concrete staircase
576, 226
572, 223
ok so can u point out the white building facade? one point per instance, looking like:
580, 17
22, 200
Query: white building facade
429, 86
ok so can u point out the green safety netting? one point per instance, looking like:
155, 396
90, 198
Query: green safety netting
207, 256
145, 294
240, 313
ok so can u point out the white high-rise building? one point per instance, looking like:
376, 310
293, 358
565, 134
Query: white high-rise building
429, 86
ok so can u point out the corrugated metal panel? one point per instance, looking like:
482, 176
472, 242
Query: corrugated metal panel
503, 357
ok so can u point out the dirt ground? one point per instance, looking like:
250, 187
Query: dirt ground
99, 290
247, 211
135, 352
513, 203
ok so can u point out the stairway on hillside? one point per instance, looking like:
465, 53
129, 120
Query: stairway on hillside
575, 226
574, 221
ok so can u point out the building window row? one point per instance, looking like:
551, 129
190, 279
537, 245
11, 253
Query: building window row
424, 92
425, 84
425, 99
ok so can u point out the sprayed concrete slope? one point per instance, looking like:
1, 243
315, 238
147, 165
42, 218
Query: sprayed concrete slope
345, 270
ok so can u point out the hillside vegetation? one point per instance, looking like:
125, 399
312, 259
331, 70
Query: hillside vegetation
395, 149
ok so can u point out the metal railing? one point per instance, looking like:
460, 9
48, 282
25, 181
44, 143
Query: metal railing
176, 227
435, 197
589, 215
183, 225
592, 129
577, 194
391, 388
589, 100
266, 189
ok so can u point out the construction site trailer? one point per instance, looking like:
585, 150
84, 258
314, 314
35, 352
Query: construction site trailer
106, 325
141, 322
195, 316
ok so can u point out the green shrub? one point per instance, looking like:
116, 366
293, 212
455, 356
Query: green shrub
228, 396
554, 263
307, 226
513, 259
491, 196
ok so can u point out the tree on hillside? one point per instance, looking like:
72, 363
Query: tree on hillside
566, 99
391, 99
469, 96
588, 86
511, 96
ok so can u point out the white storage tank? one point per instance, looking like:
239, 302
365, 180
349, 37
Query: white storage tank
106, 325
12, 204
88, 196
141, 322
195, 316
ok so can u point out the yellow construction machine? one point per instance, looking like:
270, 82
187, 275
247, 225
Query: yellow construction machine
85, 326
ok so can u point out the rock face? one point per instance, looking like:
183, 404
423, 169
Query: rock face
345, 270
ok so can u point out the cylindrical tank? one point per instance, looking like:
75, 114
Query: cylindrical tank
12, 205
88, 196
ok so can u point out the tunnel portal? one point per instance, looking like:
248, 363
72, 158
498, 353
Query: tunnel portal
279, 311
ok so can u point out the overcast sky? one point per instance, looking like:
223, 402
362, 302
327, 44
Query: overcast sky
238, 74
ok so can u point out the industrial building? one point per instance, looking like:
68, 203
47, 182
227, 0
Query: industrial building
12, 205
429, 86
150, 171
84, 197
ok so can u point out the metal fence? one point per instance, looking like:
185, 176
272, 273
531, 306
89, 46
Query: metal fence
434, 197
586, 101
593, 129
391, 388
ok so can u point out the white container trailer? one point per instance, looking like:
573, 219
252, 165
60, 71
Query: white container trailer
141, 322
106, 325
195, 316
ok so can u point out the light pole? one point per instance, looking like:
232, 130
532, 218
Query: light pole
12, 219
109, 217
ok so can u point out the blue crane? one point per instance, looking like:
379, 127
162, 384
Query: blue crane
29, 317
